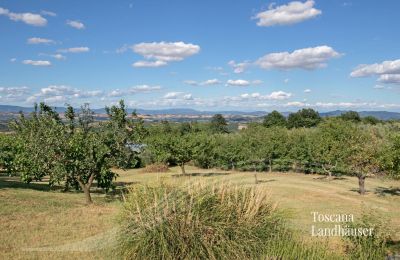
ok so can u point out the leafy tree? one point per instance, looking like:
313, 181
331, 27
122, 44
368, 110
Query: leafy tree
172, 148
270, 143
391, 157
306, 117
301, 145
331, 143
371, 120
352, 116
274, 119
363, 159
41, 143
218, 124
7, 153
76, 155
229, 150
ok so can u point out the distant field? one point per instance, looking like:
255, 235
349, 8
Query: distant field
32, 216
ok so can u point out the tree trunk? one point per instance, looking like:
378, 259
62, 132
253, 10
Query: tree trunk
361, 184
183, 168
86, 190
270, 165
255, 178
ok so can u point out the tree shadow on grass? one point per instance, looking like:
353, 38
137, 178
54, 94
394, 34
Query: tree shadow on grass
335, 178
265, 181
7, 182
208, 174
383, 191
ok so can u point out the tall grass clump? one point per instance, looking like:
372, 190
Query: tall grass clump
206, 222
369, 247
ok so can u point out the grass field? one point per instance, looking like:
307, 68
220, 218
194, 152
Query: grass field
39, 223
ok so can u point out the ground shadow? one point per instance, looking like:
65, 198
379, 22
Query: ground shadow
358, 191
7, 182
264, 181
329, 179
208, 174
383, 191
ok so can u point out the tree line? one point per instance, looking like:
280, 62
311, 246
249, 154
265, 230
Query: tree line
76, 151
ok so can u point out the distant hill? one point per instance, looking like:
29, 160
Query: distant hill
382, 115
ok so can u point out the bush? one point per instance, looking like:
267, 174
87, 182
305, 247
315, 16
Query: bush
369, 247
206, 222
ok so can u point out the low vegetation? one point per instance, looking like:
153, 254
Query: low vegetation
207, 222
72, 152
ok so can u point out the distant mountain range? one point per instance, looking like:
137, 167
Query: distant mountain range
383, 115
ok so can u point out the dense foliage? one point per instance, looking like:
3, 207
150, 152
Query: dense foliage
74, 152
310, 144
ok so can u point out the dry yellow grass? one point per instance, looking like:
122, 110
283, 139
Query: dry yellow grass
31, 216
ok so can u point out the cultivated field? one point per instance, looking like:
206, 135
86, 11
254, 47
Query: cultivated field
38, 223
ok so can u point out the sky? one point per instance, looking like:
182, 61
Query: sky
241, 55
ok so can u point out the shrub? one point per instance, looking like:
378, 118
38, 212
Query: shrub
206, 222
369, 247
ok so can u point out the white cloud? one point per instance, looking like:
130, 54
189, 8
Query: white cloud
37, 40
307, 90
122, 49
13, 59
178, 96
238, 82
308, 59
286, 81
161, 53
239, 67
48, 13
58, 56
149, 64
61, 93
76, 24
75, 50
279, 95
208, 82
13, 94
296, 104
28, 18
389, 78
191, 82
44, 63
378, 87
386, 67
134, 90
257, 82
275, 95
293, 12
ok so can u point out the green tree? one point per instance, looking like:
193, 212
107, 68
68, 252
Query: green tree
364, 155
7, 153
77, 156
331, 143
274, 119
391, 157
218, 124
371, 120
352, 116
306, 117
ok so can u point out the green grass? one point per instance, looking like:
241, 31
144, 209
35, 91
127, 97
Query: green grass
32, 216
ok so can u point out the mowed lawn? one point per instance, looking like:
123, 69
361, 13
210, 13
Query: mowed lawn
34, 218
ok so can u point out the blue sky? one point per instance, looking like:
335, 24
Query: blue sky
207, 55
